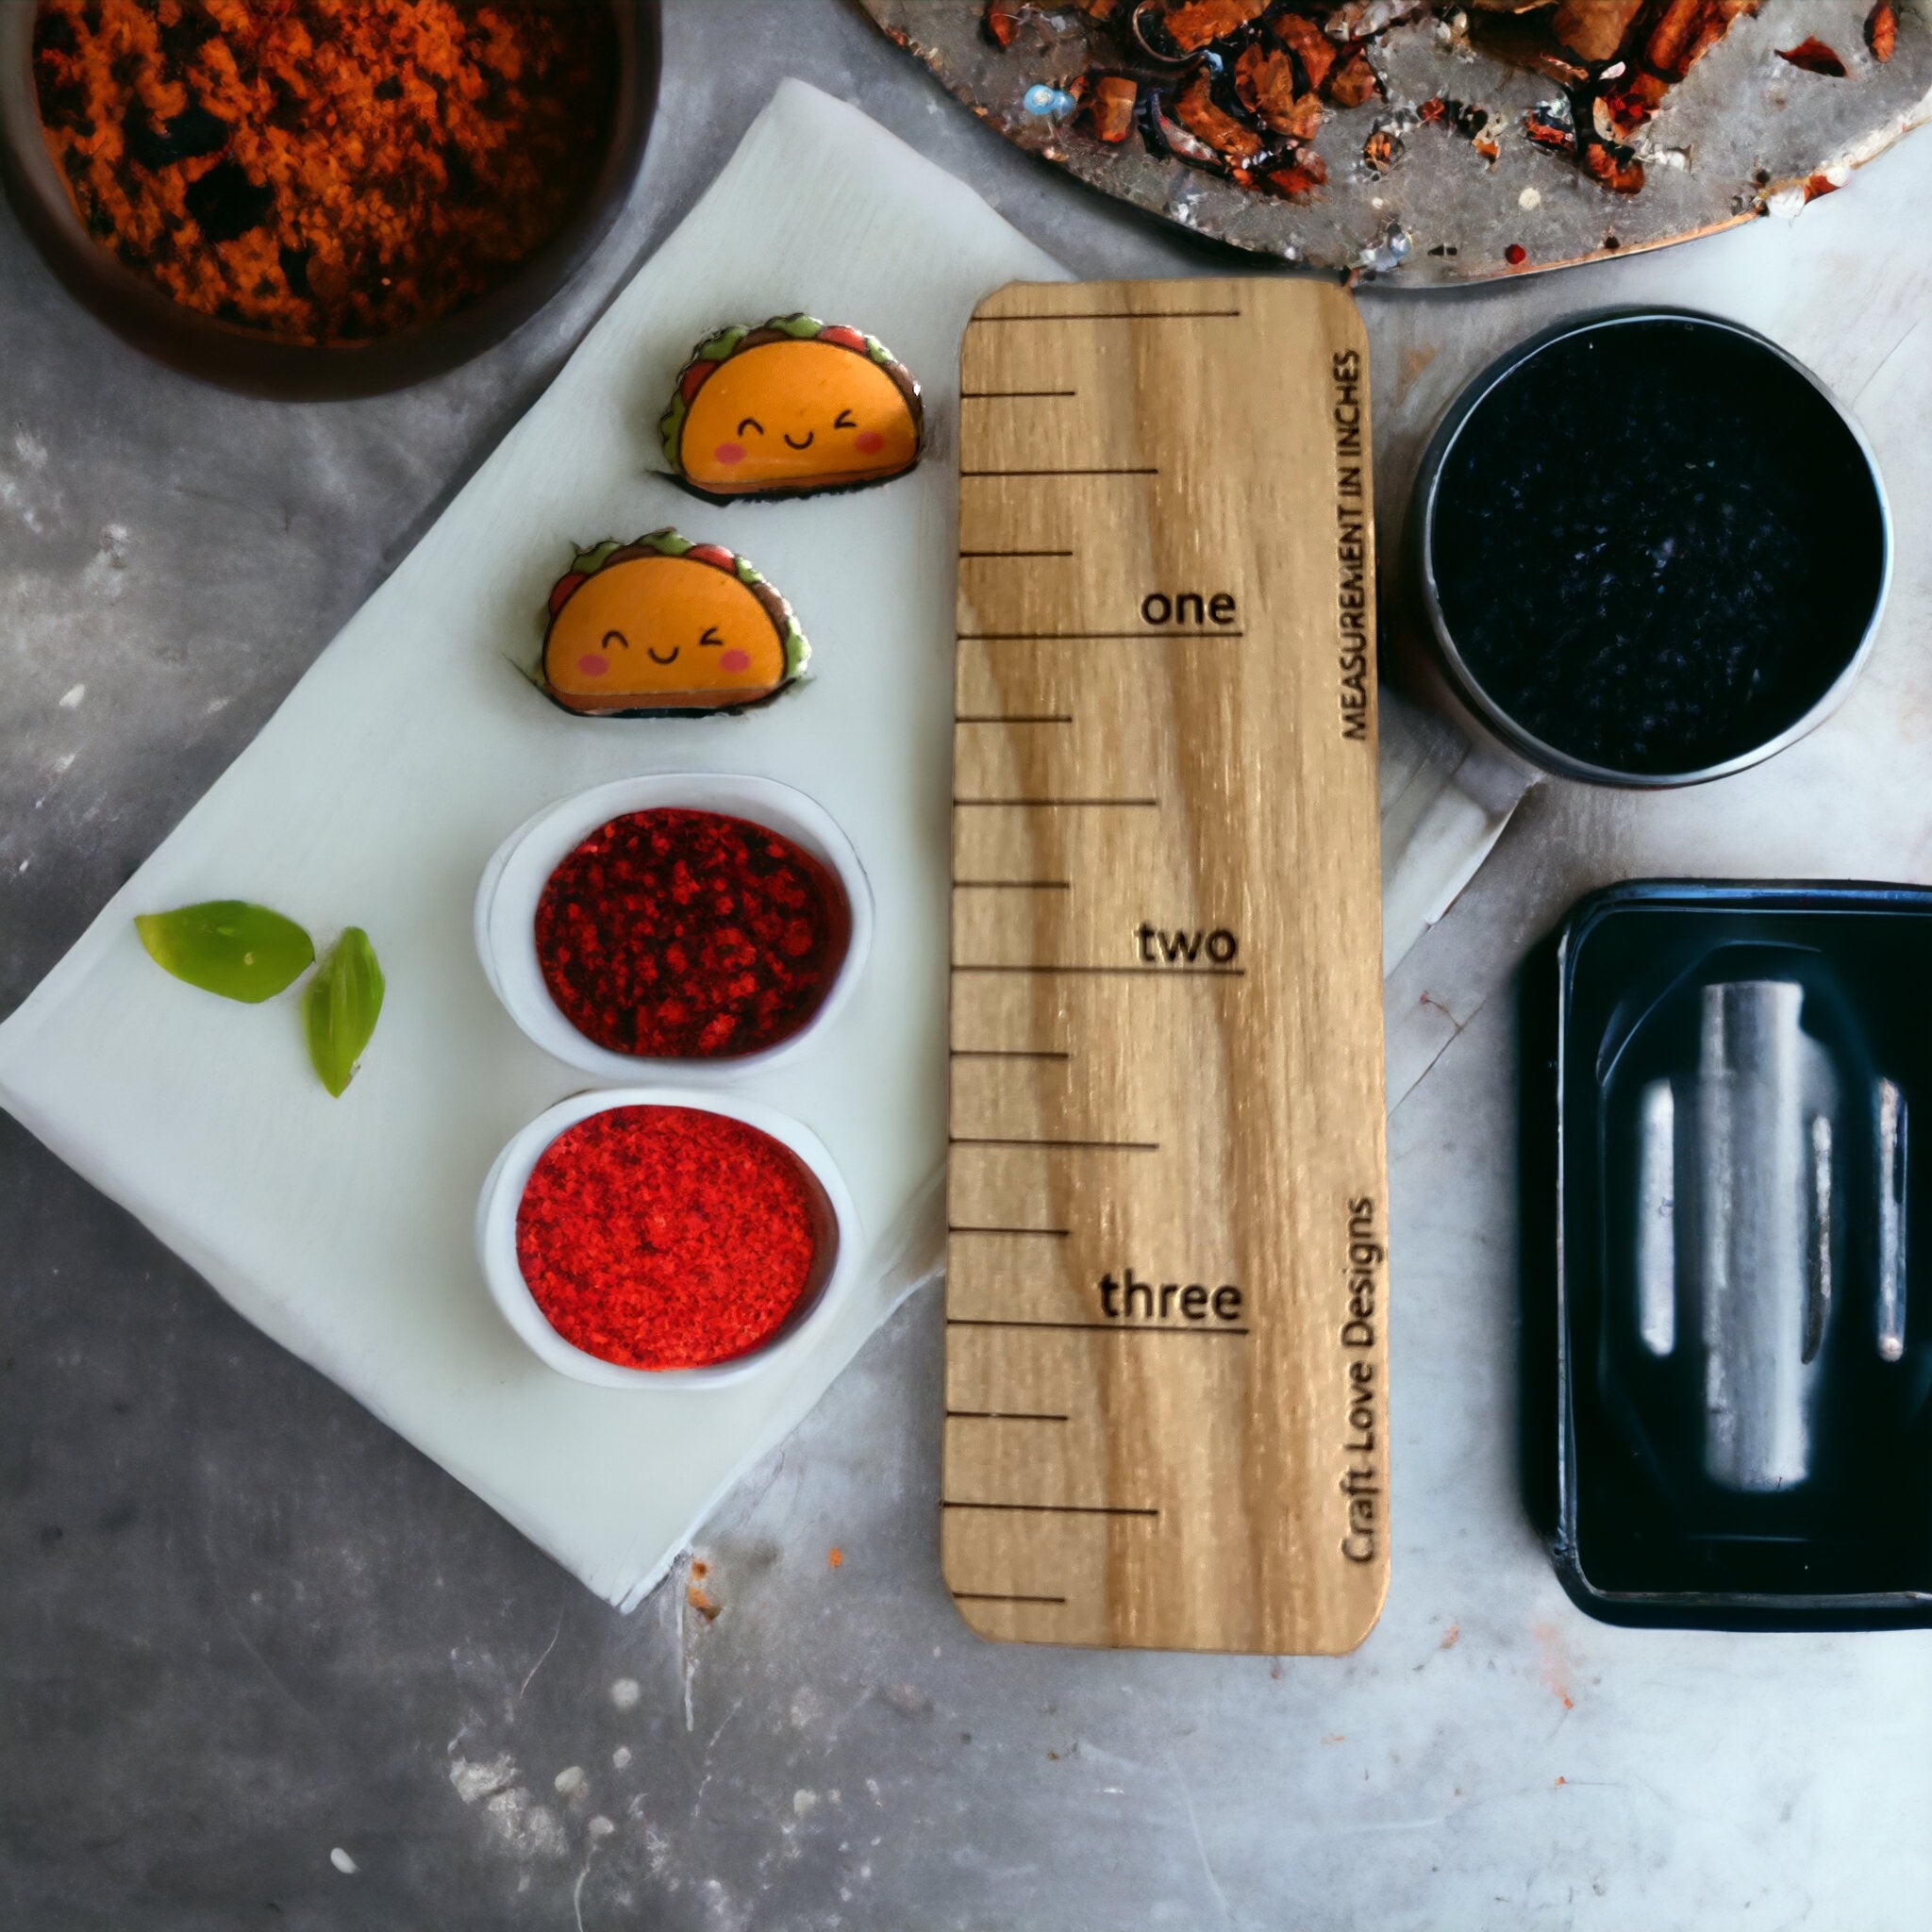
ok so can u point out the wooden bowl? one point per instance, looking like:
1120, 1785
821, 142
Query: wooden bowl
261, 364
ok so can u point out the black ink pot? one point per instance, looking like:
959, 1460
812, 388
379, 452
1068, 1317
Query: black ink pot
1653, 548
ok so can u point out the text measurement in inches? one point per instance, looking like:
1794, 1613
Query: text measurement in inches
1166, 1395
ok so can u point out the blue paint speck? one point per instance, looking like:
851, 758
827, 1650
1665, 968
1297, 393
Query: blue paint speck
1049, 102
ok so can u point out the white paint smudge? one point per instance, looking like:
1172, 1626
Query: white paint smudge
624, 1693
804, 1804
476, 1781
343, 1864
530, 1830
527, 1829
1529, 198
570, 1781
71, 698
64, 761
105, 572
600, 1827
12, 497
30, 450
621, 1757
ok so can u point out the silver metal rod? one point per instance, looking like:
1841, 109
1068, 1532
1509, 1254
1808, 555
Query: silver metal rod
1755, 1212
1817, 1271
1892, 1221
1656, 1220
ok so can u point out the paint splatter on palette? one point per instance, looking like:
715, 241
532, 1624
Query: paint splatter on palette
1442, 144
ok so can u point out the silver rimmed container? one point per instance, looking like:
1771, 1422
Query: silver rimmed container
1455, 685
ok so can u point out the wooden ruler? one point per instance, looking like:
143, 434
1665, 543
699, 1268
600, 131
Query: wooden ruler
1166, 1376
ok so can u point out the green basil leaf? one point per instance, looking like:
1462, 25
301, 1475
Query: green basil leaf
340, 1008
229, 947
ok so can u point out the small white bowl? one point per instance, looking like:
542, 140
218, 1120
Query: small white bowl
496, 1241
513, 882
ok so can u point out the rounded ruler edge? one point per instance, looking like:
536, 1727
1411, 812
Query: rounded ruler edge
1166, 1377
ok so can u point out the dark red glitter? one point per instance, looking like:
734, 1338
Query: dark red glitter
688, 935
666, 1236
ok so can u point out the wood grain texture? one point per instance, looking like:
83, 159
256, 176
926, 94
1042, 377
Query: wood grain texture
1166, 997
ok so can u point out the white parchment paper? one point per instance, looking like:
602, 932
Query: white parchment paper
376, 793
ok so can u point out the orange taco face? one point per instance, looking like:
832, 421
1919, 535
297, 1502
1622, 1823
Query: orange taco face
653, 631
791, 414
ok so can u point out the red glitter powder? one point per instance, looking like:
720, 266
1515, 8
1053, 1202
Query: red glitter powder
688, 935
667, 1237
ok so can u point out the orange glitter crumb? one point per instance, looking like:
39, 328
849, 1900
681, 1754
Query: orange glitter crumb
325, 171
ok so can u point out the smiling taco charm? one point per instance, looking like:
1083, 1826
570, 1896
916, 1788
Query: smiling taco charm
666, 624
790, 408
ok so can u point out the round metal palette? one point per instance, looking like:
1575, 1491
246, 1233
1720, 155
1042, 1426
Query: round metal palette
1744, 133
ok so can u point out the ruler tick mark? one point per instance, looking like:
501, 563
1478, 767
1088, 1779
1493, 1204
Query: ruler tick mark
1004, 1415
988, 395
1016, 552
1089, 1327
1115, 315
1012, 886
1114, 972
1104, 1146
1120, 803
1018, 718
1137, 470
1057, 1234
999, 1597
1053, 1508
1006, 1053
1089, 637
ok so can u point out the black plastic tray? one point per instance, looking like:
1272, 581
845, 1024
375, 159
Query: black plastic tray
1613, 1438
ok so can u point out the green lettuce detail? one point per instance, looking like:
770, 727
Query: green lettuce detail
717, 347
593, 559
671, 427
747, 572
797, 652
803, 327
878, 351
667, 542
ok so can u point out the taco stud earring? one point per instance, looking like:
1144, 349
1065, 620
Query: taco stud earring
792, 407
664, 624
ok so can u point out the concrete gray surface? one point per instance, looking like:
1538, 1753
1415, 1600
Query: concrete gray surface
260, 1664
242, 1624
